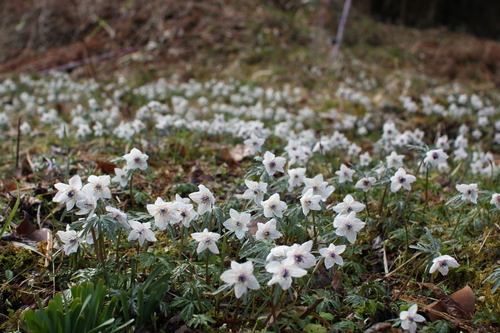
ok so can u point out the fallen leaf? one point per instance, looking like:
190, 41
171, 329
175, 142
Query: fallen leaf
460, 304
26, 228
40, 235
107, 167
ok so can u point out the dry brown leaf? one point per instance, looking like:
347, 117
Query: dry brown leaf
26, 228
107, 167
460, 304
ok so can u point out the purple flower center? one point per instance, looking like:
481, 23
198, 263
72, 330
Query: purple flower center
71, 193
242, 277
366, 182
285, 272
348, 225
401, 179
333, 254
435, 155
299, 257
137, 159
272, 164
266, 233
98, 187
205, 198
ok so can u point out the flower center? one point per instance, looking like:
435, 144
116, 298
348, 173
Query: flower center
163, 211
366, 182
272, 206
443, 263
299, 257
205, 198
98, 187
266, 233
207, 240
401, 179
242, 277
238, 224
272, 164
348, 225
349, 209
137, 159
435, 155
256, 191
285, 272
71, 193
332, 254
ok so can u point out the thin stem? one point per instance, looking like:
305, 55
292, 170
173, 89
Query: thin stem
118, 238
383, 199
403, 288
207, 277
366, 205
458, 220
132, 200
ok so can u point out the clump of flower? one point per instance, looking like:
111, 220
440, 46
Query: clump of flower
469, 192
442, 264
207, 240
241, 276
410, 318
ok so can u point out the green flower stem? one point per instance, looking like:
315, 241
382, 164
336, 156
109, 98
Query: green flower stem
458, 221
207, 277
306, 286
403, 287
366, 205
383, 199
181, 245
118, 238
222, 255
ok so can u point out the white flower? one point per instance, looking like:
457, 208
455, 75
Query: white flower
141, 231
237, 223
318, 186
204, 198
267, 230
349, 205
283, 272
87, 202
136, 160
348, 226
345, 174
71, 240
435, 157
410, 318
255, 143
301, 254
255, 191
442, 263
365, 159
365, 183
206, 240
401, 179
495, 200
241, 275
310, 201
469, 192
99, 186
69, 194
118, 216
121, 176
296, 177
273, 163
332, 255
185, 210
394, 160
163, 212
274, 206
278, 253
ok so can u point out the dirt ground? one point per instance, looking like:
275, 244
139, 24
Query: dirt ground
227, 36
